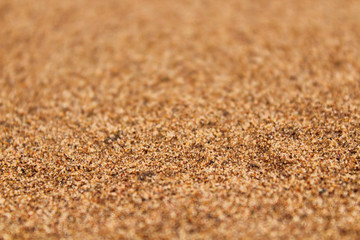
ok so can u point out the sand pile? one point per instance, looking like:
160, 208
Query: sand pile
179, 119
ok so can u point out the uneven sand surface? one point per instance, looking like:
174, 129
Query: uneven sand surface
163, 119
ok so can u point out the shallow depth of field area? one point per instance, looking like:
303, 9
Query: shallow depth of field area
164, 119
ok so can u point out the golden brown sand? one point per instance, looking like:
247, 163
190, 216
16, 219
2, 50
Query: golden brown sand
162, 119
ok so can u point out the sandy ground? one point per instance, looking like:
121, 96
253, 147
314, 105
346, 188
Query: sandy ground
163, 119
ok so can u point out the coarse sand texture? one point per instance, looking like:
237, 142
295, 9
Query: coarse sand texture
179, 119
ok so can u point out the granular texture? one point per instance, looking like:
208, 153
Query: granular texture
165, 119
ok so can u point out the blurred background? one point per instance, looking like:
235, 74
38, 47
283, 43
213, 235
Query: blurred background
202, 119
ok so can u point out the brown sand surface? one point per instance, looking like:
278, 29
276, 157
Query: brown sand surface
163, 119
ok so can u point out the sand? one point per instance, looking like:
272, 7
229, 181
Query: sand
149, 119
